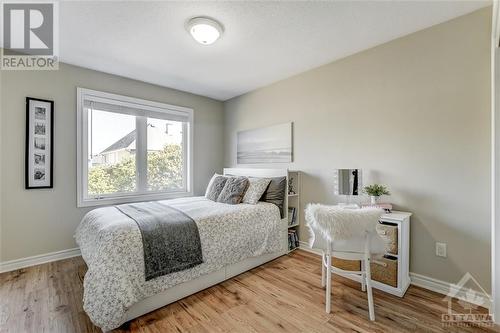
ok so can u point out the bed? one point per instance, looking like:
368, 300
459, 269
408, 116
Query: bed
234, 239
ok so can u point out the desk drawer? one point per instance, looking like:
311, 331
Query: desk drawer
385, 270
389, 233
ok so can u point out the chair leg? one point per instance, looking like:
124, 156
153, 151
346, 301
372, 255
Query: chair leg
363, 276
323, 271
369, 289
328, 283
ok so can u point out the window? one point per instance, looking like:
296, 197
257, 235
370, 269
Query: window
131, 149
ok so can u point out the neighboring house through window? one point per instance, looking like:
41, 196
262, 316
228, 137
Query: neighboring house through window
131, 149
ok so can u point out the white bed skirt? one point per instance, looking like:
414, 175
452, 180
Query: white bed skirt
191, 287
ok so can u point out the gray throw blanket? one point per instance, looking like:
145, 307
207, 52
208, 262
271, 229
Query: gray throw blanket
170, 238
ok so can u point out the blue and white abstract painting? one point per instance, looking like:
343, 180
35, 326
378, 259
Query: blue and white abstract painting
271, 144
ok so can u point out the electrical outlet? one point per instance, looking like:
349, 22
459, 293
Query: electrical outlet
441, 249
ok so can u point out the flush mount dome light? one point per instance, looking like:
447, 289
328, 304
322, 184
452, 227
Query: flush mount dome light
204, 30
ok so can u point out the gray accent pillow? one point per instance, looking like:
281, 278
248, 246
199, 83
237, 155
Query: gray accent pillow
233, 190
215, 187
256, 187
275, 193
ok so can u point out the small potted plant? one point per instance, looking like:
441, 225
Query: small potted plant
375, 191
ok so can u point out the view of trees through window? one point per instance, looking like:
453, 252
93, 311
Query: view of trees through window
164, 172
112, 157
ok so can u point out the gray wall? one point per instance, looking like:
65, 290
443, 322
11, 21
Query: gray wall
413, 114
41, 221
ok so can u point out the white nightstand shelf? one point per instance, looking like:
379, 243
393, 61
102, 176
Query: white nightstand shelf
294, 210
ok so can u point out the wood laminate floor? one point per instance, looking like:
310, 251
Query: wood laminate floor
281, 296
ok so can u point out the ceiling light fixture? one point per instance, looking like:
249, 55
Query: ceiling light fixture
204, 30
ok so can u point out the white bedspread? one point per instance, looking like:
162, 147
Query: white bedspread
111, 245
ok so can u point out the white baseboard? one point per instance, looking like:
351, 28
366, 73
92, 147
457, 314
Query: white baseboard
446, 288
429, 283
12, 265
419, 280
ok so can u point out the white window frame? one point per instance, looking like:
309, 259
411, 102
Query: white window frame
83, 199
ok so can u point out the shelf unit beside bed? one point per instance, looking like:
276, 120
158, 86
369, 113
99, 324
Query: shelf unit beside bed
293, 211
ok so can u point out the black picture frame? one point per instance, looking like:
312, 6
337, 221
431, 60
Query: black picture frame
39, 145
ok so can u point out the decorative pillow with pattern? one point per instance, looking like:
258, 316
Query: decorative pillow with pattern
233, 190
215, 187
256, 187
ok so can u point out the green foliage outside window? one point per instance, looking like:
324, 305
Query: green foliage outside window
164, 173
165, 169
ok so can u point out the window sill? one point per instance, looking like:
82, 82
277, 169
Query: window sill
131, 198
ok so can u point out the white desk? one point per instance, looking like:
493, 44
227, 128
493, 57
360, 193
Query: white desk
400, 220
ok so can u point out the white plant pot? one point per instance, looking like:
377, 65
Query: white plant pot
373, 199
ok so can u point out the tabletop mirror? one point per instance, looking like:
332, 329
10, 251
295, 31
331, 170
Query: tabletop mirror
347, 182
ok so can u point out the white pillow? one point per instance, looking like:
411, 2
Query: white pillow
255, 190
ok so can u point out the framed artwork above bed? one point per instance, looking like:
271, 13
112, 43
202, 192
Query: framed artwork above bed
39, 143
272, 144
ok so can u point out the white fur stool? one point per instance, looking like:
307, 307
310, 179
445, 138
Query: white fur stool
347, 234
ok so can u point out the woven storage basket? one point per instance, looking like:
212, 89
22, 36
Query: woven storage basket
385, 270
346, 265
389, 234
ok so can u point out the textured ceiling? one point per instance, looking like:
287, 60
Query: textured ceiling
263, 41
